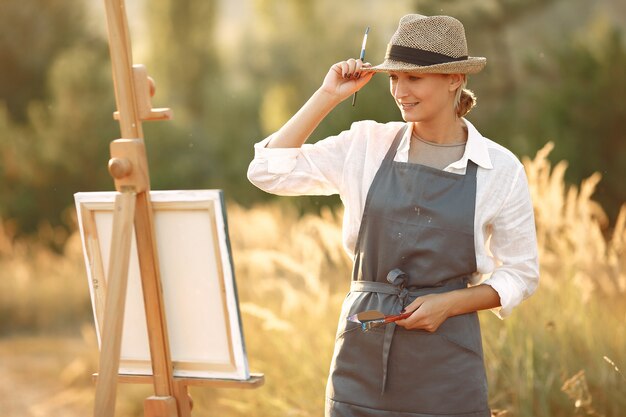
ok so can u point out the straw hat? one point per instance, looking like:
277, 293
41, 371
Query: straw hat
424, 44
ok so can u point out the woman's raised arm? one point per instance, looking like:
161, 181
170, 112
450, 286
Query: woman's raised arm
343, 79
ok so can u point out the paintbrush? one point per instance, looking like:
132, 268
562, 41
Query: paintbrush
361, 57
373, 318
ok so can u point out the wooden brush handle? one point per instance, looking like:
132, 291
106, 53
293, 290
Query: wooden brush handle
396, 317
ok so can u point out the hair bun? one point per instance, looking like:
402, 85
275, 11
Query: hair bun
466, 102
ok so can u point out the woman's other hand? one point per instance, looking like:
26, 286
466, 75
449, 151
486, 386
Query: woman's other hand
429, 311
345, 78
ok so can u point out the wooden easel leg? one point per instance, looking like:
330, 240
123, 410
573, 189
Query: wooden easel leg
153, 297
163, 403
106, 386
159, 406
183, 399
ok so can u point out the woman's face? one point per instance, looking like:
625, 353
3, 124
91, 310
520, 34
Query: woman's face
422, 97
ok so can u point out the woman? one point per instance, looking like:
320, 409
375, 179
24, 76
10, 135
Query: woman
430, 206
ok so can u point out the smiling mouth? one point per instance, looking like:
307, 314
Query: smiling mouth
407, 106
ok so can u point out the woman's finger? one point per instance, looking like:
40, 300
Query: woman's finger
345, 77
344, 68
357, 68
411, 308
415, 304
350, 68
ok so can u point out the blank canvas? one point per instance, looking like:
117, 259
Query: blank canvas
197, 279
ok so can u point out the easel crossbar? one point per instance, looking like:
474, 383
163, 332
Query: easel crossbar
255, 381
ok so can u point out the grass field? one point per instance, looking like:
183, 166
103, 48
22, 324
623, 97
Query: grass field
561, 353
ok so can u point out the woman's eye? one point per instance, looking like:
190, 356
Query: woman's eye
413, 78
393, 77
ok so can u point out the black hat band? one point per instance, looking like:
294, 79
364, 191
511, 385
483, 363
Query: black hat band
419, 56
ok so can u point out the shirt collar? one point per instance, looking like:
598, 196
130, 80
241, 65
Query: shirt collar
475, 149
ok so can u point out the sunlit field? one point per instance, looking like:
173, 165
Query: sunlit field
561, 353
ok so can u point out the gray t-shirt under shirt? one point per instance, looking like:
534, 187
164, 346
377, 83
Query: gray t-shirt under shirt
434, 155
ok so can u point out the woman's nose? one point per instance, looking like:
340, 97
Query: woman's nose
398, 89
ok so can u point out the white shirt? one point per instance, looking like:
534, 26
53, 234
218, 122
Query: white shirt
504, 224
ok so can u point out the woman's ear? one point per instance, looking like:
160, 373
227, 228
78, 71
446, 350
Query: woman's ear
455, 81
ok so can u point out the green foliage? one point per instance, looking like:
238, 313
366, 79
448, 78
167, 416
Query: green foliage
32, 35
53, 127
233, 72
584, 106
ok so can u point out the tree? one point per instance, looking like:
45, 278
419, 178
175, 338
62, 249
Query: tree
56, 117
31, 34
581, 104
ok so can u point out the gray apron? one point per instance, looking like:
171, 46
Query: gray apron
416, 238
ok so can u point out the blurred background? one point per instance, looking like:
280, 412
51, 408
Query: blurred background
233, 71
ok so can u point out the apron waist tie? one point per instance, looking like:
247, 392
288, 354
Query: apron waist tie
384, 288
397, 286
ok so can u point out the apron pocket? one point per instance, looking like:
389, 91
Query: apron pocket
356, 302
348, 328
463, 331
433, 374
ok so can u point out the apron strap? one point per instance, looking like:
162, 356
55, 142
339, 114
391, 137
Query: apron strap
391, 153
386, 161
389, 332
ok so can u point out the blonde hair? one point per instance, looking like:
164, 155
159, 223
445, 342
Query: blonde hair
464, 100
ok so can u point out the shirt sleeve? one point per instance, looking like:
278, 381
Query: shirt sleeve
313, 169
513, 244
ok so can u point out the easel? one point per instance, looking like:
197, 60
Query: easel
129, 168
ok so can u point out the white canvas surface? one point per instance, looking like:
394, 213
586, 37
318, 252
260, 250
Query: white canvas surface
197, 280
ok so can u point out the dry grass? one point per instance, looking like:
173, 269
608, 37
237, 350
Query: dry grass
560, 354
